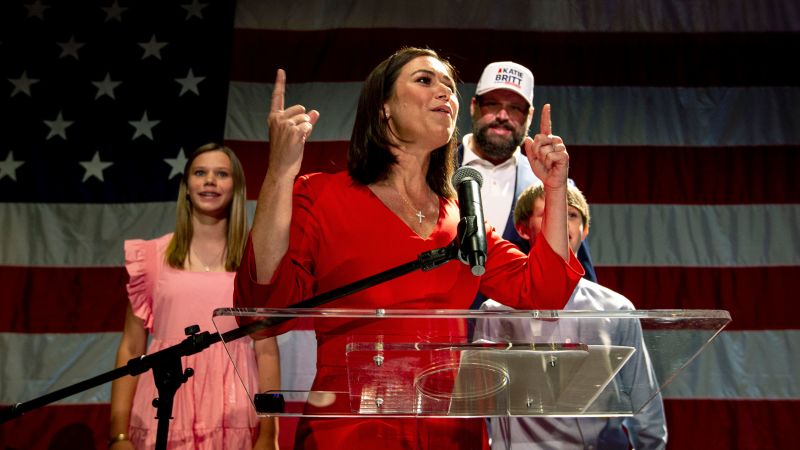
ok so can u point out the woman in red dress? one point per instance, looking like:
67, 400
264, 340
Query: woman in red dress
318, 232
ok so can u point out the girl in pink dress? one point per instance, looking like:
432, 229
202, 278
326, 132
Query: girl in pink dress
176, 281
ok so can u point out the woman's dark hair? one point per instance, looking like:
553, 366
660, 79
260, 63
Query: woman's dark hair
369, 158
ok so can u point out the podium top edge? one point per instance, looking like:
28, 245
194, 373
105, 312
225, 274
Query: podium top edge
663, 314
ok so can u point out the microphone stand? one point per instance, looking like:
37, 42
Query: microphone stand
166, 364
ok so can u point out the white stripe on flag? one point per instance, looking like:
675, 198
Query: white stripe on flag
38, 364
743, 365
84, 235
695, 235
724, 370
621, 115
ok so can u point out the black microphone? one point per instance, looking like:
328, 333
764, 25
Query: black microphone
471, 229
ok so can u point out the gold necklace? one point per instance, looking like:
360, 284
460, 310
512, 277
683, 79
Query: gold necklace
205, 266
418, 213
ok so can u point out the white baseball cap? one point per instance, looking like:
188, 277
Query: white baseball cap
507, 75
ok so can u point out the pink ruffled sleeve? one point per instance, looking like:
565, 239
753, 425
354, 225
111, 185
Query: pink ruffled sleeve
140, 262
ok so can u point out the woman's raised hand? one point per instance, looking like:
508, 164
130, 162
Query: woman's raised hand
288, 131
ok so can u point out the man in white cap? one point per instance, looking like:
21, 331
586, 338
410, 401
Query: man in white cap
501, 112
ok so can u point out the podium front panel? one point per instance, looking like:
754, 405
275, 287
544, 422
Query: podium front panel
447, 363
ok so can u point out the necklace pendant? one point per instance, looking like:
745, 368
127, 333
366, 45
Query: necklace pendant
420, 216
208, 269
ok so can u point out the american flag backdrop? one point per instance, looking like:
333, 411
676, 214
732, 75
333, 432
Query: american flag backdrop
682, 119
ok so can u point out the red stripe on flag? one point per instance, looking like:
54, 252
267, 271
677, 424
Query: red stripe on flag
618, 174
69, 300
756, 297
731, 424
62, 300
686, 175
640, 59
86, 300
58, 427
81, 427
696, 423
327, 157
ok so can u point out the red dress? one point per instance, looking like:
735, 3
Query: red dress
340, 233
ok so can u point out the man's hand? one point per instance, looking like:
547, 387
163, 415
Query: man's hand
548, 154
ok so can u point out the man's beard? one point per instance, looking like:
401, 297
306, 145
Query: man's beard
499, 148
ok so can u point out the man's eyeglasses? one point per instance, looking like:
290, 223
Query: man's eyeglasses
514, 110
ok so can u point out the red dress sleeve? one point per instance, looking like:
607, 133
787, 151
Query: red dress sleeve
293, 279
546, 281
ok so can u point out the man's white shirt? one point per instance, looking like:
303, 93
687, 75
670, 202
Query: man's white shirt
499, 182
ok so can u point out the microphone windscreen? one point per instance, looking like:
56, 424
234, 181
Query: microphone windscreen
464, 173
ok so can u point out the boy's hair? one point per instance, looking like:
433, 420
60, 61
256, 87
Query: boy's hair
525, 201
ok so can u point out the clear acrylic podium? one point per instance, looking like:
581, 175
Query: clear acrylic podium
456, 363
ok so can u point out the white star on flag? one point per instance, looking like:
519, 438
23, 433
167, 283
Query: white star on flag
8, 168
194, 10
176, 163
114, 12
106, 87
36, 9
70, 48
22, 84
143, 127
152, 48
95, 167
58, 127
189, 83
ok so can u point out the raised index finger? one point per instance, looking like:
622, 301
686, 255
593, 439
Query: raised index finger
278, 91
546, 125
